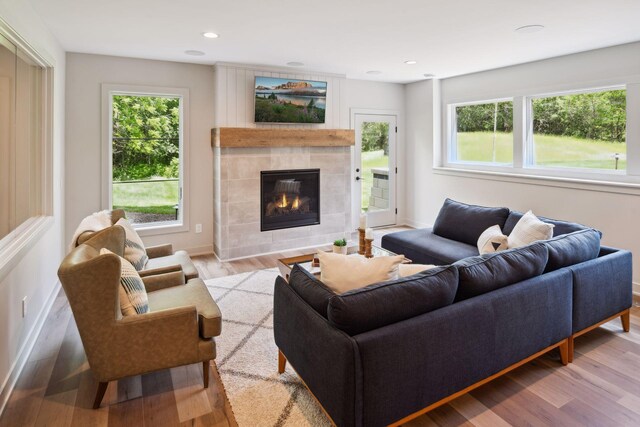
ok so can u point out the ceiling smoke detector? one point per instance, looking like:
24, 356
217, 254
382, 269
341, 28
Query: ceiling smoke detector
194, 52
295, 64
429, 76
374, 72
210, 35
528, 29
411, 62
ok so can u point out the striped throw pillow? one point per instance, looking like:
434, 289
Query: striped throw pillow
132, 293
134, 250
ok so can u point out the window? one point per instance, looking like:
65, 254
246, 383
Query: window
483, 133
24, 113
146, 145
580, 130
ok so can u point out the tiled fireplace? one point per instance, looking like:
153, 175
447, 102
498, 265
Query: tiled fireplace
254, 215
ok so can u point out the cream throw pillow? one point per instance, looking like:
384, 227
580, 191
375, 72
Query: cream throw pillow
132, 293
492, 240
342, 273
405, 270
134, 250
528, 230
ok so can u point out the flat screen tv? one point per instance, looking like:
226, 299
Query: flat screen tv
279, 100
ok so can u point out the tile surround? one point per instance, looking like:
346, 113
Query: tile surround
237, 203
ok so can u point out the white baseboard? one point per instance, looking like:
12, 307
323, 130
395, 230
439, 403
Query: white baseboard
25, 351
636, 289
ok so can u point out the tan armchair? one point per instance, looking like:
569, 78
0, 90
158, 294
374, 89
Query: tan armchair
162, 258
178, 330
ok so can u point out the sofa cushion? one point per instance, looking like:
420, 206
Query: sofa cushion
389, 302
465, 223
193, 293
486, 273
180, 258
312, 290
528, 230
572, 248
132, 293
561, 227
342, 273
423, 247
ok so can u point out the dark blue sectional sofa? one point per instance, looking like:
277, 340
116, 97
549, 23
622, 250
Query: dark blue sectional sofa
391, 351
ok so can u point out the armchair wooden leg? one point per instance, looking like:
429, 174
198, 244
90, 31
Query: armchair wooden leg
570, 349
282, 362
205, 373
564, 351
626, 320
102, 388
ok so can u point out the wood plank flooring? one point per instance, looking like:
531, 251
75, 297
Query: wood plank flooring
600, 388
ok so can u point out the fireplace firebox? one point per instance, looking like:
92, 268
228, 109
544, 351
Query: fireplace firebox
289, 198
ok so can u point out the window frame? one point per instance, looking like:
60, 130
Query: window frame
24, 236
452, 134
628, 180
108, 91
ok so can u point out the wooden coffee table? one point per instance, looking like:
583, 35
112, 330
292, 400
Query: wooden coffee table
306, 261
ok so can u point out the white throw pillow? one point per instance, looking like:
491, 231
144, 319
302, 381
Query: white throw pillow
492, 240
528, 230
342, 273
405, 270
134, 250
132, 293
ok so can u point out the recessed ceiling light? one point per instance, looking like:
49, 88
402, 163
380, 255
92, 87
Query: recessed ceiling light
528, 29
374, 72
295, 64
194, 52
429, 76
411, 62
210, 35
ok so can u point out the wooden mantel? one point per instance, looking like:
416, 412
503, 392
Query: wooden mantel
263, 137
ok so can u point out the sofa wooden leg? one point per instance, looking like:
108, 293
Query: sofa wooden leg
282, 362
570, 339
102, 388
205, 373
564, 351
626, 320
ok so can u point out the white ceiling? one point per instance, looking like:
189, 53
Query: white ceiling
446, 37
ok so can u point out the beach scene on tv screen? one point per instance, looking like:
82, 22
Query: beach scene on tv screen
281, 100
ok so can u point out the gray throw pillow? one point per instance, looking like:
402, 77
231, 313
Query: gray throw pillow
572, 248
313, 291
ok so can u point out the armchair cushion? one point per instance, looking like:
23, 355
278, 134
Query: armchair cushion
159, 250
134, 250
180, 258
132, 293
194, 293
156, 282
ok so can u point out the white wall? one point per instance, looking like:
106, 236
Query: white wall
612, 210
34, 272
85, 75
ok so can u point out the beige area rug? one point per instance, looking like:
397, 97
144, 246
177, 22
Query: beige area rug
248, 357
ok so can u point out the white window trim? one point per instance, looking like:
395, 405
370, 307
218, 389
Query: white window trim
14, 245
627, 181
108, 90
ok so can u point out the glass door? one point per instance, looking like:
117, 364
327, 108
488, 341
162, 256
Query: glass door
374, 191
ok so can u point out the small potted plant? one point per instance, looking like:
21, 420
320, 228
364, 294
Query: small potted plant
340, 246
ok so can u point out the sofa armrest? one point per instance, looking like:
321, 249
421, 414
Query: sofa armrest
161, 270
159, 250
161, 281
148, 342
326, 358
602, 287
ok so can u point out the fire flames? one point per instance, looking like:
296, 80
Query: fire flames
284, 203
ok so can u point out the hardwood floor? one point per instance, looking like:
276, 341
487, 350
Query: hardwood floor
601, 387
